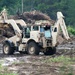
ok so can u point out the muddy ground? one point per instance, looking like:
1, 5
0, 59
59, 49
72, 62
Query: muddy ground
22, 64
33, 65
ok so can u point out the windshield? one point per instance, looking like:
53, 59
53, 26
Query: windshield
46, 30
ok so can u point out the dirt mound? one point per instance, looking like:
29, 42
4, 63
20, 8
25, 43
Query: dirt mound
30, 17
6, 30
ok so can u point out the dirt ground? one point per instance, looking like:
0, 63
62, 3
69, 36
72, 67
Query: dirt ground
34, 65
22, 64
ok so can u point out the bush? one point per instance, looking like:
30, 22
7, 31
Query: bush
71, 30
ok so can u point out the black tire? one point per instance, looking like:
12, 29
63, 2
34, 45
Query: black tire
50, 51
33, 48
7, 49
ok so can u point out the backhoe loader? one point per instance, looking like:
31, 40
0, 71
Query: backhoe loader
34, 38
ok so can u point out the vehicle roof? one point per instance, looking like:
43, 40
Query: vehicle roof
39, 23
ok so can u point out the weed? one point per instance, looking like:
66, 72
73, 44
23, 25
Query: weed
8, 74
62, 59
66, 70
71, 30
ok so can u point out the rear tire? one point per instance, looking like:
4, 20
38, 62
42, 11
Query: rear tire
7, 49
33, 48
50, 51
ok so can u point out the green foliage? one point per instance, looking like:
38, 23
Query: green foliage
71, 30
47, 6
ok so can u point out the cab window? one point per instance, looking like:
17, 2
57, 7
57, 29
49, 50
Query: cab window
41, 29
27, 32
55, 29
35, 28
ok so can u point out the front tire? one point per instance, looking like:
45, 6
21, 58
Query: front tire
7, 49
33, 48
50, 51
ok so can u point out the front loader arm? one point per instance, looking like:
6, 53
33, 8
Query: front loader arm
14, 25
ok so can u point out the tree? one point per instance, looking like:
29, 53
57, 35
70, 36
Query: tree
49, 7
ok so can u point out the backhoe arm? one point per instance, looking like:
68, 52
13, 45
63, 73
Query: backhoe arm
60, 23
63, 25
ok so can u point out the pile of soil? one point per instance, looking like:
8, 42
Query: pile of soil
6, 30
32, 16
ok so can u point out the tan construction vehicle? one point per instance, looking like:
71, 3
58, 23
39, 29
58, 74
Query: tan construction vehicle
34, 38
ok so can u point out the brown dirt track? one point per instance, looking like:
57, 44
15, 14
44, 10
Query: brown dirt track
39, 65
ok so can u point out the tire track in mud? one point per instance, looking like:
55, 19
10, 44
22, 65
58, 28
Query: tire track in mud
35, 65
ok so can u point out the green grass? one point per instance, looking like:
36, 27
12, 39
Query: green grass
8, 74
60, 59
1, 67
65, 62
66, 70
4, 71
